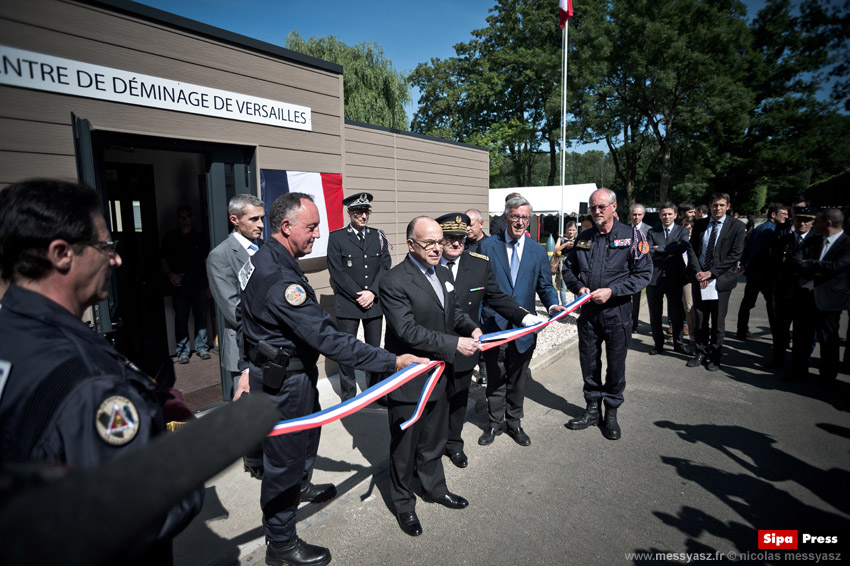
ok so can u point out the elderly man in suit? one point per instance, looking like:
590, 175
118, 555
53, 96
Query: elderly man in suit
667, 243
358, 258
822, 293
636, 214
717, 243
422, 318
521, 268
473, 282
246, 215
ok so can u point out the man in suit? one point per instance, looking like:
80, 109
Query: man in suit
246, 214
783, 252
667, 243
521, 268
358, 258
717, 242
758, 266
473, 282
636, 214
424, 319
823, 292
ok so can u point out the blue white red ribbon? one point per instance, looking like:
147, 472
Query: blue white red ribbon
401, 377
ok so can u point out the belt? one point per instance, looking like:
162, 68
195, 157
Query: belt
258, 358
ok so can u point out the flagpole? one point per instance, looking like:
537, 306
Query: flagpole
563, 126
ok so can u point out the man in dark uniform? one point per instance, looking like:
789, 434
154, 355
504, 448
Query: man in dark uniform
783, 251
611, 260
474, 230
422, 317
66, 396
285, 330
358, 257
473, 282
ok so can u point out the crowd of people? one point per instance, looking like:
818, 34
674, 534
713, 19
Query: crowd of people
454, 284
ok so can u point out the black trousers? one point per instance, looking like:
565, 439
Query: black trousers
635, 310
417, 451
372, 336
287, 459
765, 287
808, 322
457, 390
666, 287
506, 369
710, 322
599, 324
783, 295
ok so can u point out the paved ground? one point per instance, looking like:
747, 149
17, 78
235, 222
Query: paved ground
706, 460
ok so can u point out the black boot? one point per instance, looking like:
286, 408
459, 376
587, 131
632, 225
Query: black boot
590, 417
297, 553
317, 493
610, 428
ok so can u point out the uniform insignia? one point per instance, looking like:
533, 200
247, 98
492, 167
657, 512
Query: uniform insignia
482, 256
584, 244
622, 243
117, 420
295, 295
643, 247
348, 263
458, 219
245, 274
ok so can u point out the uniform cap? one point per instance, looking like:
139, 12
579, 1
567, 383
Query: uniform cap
359, 200
454, 223
805, 212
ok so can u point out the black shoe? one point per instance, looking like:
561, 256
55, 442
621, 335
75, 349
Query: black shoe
712, 365
297, 553
745, 335
590, 417
610, 428
684, 349
489, 436
655, 351
519, 436
449, 500
774, 364
696, 361
409, 523
459, 459
253, 467
316, 493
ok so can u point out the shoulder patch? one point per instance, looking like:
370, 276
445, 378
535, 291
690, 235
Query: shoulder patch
643, 247
295, 295
482, 256
117, 420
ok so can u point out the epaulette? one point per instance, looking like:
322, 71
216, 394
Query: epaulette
473, 254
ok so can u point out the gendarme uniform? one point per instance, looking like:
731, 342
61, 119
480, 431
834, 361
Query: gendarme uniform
618, 260
67, 396
284, 327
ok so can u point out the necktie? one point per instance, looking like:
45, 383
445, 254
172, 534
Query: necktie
666, 234
824, 250
799, 240
360, 236
514, 261
252, 247
451, 265
435, 284
709, 249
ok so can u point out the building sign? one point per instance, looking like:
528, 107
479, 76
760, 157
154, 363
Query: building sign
27, 69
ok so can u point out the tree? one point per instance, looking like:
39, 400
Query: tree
373, 91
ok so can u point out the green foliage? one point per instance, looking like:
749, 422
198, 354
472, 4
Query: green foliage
373, 91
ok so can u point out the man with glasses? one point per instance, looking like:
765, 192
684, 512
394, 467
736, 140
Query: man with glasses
521, 268
184, 252
610, 260
358, 258
66, 396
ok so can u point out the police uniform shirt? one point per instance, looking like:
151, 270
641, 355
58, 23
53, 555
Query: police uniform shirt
355, 266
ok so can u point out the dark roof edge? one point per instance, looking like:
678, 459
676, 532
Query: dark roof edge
414, 135
175, 21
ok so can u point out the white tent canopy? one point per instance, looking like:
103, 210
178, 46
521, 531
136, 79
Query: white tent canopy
545, 200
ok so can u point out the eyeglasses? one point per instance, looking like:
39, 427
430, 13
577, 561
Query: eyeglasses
455, 239
599, 207
359, 211
109, 249
428, 245
517, 217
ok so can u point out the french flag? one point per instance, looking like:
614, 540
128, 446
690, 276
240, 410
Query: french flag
565, 12
326, 190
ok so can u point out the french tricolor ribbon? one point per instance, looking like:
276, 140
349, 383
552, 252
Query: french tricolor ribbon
401, 377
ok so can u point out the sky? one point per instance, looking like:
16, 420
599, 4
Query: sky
409, 32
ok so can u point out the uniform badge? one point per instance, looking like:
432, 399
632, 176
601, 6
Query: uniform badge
584, 244
473, 254
348, 263
622, 243
643, 247
295, 295
117, 420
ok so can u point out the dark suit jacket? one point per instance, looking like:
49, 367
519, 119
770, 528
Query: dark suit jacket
223, 265
667, 259
727, 251
535, 276
831, 276
417, 324
474, 283
354, 267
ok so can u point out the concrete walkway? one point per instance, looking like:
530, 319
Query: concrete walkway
706, 460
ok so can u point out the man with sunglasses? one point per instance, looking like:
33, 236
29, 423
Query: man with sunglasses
358, 258
66, 396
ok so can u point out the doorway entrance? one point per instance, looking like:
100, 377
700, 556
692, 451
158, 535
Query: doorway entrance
143, 181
